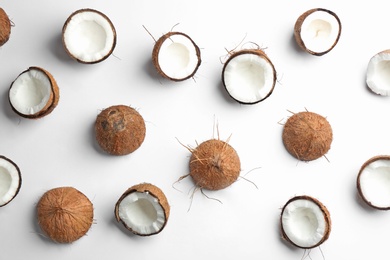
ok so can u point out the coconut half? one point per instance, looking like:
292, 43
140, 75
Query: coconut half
373, 182
378, 75
10, 180
5, 27
307, 136
34, 93
176, 56
249, 76
305, 222
317, 31
143, 209
89, 36
64, 214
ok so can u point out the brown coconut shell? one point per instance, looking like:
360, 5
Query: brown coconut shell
152, 190
120, 130
258, 52
64, 214
298, 27
66, 25
214, 165
20, 178
5, 27
307, 136
156, 50
324, 211
53, 99
358, 185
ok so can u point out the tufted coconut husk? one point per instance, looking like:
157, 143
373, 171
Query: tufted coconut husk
64, 214
5, 27
147, 201
120, 130
307, 136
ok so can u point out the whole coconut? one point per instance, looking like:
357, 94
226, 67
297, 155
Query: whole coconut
5, 27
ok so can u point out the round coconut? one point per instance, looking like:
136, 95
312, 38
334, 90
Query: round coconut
214, 165
305, 222
120, 130
143, 209
34, 93
10, 180
64, 214
5, 27
307, 136
176, 56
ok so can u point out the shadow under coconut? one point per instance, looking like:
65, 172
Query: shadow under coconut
57, 49
9, 113
123, 229
294, 45
37, 229
226, 95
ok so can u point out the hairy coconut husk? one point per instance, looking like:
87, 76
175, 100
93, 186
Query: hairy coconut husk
120, 130
20, 178
326, 216
156, 50
152, 190
307, 136
214, 165
5, 27
64, 214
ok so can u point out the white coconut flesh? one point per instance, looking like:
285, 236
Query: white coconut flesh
375, 183
304, 223
9, 181
320, 31
248, 78
142, 213
378, 73
30, 92
89, 36
178, 57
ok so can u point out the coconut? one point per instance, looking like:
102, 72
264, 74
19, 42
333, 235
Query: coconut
120, 130
5, 27
305, 222
373, 182
89, 36
34, 93
307, 136
143, 209
317, 31
377, 74
176, 56
10, 180
249, 76
64, 214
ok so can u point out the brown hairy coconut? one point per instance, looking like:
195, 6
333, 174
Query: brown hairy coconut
143, 209
5, 27
176, 56
64, 214
10, 180
307, 136
305, 222
34, 93
120, 130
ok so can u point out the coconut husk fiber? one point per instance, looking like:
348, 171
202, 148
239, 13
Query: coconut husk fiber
5, 27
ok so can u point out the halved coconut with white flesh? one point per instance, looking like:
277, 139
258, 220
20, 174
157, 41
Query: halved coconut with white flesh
305, 222
89, 36
378, 73
373, 182
143, 209
10, 180
317, 31
34, 93
5, 27
176, 56
249, 76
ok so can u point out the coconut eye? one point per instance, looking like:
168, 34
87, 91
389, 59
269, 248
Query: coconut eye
5, 27
10, 180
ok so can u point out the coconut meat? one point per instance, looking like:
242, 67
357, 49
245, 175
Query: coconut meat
178, 57
142, 213
378, 75
9, 181
249, 78
319, 31
30, 92
375, 183
304, 223
89, 36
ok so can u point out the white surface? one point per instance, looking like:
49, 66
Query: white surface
60, 149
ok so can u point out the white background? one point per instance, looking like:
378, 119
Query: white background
60, 149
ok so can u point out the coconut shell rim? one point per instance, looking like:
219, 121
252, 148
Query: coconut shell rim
20, 178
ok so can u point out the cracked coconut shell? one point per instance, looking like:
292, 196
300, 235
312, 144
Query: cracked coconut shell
5, 27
